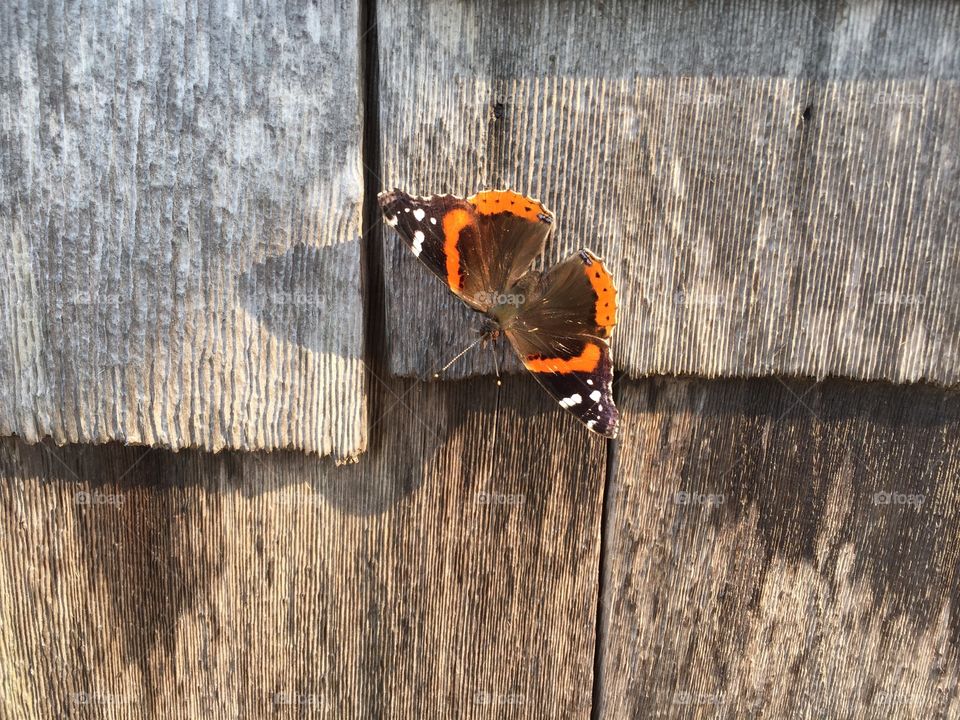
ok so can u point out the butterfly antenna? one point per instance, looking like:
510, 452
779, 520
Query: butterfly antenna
458, 356
496, 365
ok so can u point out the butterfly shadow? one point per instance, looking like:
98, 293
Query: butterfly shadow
309, 297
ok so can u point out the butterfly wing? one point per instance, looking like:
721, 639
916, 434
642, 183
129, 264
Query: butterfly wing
478, 246
513, 231
562, 334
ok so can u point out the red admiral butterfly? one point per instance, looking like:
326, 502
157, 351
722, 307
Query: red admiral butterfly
559, 321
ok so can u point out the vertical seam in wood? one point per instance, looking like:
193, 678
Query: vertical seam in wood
603, 570
371, 669
371, 259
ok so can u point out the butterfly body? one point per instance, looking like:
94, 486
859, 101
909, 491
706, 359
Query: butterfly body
558, 321
508, 303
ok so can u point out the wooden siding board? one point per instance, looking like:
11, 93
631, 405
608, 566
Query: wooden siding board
774, 185
254, 584
180, 195
752, 569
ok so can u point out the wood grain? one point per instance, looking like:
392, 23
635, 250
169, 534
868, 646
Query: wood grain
774, 185
451, 572
783, 550
180, 195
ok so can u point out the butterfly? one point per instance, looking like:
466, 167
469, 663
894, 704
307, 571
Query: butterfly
558, 321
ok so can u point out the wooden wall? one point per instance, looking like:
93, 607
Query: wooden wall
226, 489
783, 549
444, 568
181, 213
773, 184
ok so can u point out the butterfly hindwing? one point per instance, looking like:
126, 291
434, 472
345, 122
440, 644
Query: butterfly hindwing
513, 232
562, 336
478, 246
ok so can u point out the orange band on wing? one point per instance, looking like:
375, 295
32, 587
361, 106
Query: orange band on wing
586, 361
453, 222
602, 283
491, 202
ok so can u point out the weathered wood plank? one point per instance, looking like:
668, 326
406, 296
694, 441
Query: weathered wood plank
180, 195
774, 185
754, 571
277, 584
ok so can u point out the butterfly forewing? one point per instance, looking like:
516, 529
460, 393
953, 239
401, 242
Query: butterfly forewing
420, 222
562, 336
479, 246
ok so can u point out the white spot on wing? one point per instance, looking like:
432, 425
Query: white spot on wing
590, 424
418, 243
433, 221
595, 395
589, 381
574, 399
418, 214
